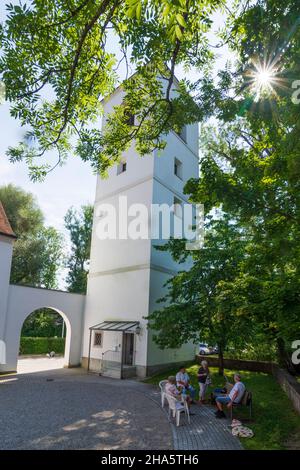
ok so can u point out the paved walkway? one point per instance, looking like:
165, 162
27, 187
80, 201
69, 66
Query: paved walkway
29, 365
68, 409
205, 432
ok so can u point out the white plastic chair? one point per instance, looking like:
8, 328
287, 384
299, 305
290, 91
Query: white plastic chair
176, 407
162, 385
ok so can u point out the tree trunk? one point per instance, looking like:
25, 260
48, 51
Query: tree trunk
284, 358
221, 360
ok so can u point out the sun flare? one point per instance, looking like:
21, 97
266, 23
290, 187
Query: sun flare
263, 79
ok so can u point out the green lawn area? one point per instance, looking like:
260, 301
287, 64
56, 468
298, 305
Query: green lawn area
274, 419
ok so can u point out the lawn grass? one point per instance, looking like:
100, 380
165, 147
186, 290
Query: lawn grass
274, 419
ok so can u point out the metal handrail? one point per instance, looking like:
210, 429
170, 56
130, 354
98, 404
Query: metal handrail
109, 350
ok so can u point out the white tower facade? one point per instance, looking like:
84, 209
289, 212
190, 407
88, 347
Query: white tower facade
127, 275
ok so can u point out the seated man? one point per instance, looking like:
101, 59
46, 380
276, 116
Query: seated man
235, 395
183, 383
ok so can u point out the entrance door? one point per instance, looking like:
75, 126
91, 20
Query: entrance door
128, 349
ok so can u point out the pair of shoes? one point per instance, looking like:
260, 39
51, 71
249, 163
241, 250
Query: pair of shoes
192, 414
220, 414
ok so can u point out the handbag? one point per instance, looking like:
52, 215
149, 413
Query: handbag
208, 380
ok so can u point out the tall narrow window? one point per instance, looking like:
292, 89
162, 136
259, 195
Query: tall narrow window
122, 167
178, 168
182, 133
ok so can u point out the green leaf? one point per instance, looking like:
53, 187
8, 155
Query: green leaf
181, 20
178, 32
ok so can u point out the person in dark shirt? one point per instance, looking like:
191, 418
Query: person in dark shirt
204, 380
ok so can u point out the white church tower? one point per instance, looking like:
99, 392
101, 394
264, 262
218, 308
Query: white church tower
127, 276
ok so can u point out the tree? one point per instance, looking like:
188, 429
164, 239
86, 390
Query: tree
37, 252
250, 165
43, 323
79, 225
63, 48
197, 307
22, 210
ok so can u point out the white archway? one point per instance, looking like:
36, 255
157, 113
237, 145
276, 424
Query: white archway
22, 301
42, 364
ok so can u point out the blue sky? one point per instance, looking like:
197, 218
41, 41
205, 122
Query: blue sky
70, 185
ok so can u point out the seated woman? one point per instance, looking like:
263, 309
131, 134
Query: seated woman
171, 389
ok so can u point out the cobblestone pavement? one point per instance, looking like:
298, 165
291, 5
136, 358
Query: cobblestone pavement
205, 432
70, 409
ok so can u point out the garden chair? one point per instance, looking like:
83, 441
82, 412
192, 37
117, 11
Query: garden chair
245, 401
162, 385
176, 407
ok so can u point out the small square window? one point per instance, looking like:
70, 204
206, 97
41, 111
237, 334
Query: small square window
178, 168
122, 167
97, 339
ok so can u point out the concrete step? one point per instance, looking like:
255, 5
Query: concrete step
112, 373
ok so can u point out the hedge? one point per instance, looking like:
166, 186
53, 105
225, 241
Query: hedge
29, 345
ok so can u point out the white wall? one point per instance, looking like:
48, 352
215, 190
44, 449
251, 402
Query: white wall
155, 354
167, 185
118, 283
6, 248
117, 296
22, 301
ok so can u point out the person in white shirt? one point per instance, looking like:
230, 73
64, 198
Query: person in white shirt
183, 383
235, 396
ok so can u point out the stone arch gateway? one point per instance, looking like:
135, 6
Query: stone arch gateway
22, 301
17, 302
25, 300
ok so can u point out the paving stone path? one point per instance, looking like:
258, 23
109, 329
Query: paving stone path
205, 432
69, 409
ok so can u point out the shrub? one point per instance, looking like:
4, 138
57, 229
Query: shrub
29, 345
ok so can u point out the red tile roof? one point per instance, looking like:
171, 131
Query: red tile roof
5, 228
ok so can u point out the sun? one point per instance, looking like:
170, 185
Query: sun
262, 79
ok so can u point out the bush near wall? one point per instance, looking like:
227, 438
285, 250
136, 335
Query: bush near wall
29, 345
